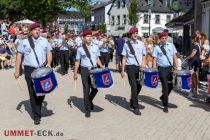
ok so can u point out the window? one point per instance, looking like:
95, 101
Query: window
145, 34
118, 4
123, 3
168, 18
157, 19
146, 18
112, 21
118, 20
124, 19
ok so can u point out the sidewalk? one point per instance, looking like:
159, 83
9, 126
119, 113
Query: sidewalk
63, 111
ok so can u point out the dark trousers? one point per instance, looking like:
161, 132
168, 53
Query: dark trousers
133, 74
53, 64
64, 57
36, 101
104, 58
57, 56
86, 83
166, 77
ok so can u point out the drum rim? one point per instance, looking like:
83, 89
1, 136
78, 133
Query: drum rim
148, 70
50, 70
180, 72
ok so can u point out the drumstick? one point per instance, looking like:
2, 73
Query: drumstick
183, 61
124, 80
75, 84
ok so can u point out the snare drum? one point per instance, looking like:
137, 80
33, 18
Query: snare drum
101, 78
150, 77
183, 79
44, 80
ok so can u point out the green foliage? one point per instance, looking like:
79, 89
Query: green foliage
66, 29
40, 10
133, 13
102, 27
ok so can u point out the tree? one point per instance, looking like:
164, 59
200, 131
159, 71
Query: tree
40, 10
102, 27
133, 13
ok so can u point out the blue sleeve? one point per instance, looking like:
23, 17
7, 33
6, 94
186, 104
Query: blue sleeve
174, 49
49, 48
78, 56
155, 52
20, 48
124, 49
98, 52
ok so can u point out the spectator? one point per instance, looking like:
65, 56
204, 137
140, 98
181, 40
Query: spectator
119, 48
194, 62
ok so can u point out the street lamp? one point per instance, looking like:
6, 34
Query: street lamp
149, 11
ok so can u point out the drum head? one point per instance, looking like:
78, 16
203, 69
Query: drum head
181, 72
41, 72
148, 70
96, 70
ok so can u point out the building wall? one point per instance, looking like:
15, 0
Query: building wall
206, 18
120, 29
99, 16
106, 13
144, 27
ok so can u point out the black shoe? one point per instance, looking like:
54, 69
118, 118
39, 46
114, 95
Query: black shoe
87, 114
91, 106
161, 98
165, 109
131, 107
137, 112
37, 121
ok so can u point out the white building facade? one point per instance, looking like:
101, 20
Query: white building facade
160, 15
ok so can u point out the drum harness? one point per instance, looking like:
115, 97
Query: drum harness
33, 46
89, 57
164, 52
141, 74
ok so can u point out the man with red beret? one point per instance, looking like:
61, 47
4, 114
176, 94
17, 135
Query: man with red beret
87, 58
164, 58
35, 56
134, 53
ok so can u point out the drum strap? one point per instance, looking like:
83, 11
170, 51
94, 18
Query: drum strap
31, 42
132, 51
164, 52
88, 54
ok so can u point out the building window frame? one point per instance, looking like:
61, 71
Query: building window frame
146, 19
112, 20
124, 19
168, 18
157, 19
118, 19
118, 4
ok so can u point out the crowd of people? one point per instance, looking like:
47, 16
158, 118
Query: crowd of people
86, 50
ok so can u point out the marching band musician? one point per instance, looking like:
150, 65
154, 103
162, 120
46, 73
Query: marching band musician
164, 57
134, 53
87, 58
36, 57
64, 56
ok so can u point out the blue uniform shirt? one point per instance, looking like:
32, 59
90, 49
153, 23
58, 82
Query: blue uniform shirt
139, 49
65, 46
162, 60
42, 47
104, 48
81, 55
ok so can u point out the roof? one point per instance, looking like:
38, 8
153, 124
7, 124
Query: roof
101, 5
179, 21
158, 7
74, 15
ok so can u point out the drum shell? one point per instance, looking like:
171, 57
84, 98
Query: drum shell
45, 84
183, 82
151, 77
101, 78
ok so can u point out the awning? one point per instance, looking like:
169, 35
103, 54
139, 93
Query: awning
181, 20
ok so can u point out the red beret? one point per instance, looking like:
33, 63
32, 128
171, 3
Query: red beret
74, 35
163, 34
87, 32
34, 25
133, 30
68, 35
44, 31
